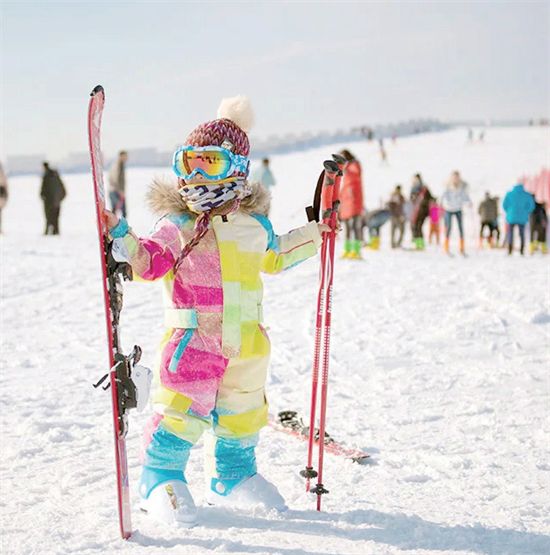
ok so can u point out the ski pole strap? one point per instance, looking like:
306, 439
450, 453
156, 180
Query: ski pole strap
313, 212
328, 196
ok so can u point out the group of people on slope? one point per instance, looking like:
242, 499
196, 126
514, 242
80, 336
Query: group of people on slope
423, 205
519, 205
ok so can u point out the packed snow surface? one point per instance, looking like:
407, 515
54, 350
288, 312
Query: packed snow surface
439, 368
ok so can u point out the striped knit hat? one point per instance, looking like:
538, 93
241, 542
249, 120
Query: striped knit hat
235, 119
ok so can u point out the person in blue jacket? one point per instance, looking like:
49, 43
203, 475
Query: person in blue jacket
264, 175
518, 204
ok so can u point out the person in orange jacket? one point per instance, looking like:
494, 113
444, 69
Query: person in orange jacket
351, 205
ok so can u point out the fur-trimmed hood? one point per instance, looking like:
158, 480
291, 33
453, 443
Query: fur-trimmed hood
163, 198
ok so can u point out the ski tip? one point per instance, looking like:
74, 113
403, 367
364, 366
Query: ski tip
97, 89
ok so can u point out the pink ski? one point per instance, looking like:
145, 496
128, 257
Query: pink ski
288, 423
123, 391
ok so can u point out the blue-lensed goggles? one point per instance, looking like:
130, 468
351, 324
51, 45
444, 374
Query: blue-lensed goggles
212, 162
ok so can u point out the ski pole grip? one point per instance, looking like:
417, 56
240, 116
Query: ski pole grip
97, 89
327, 194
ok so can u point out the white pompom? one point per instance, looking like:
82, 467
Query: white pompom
238, 110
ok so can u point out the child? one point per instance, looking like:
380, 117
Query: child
435, 216
209, 249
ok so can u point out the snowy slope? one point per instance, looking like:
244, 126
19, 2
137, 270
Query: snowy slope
439, 368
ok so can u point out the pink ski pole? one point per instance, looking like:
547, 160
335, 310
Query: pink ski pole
331, 170
330, 209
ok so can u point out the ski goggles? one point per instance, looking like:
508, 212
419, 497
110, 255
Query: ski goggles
212, 162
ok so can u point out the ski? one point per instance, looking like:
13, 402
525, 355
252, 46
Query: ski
123, 389
289, 423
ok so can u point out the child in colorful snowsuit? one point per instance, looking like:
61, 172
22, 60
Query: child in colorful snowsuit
209, 249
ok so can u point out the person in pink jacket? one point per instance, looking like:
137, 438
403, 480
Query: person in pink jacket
209, 248
351, 205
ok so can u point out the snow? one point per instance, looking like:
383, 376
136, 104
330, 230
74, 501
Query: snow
439, 369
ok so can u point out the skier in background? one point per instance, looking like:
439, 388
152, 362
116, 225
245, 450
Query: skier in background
351, 206
452, 201
3, 193
264, 175
420, 197
395, 206
538, 222
488, 213
117, 184
435, 216
518, 204
209, 249
52, 193
374, 221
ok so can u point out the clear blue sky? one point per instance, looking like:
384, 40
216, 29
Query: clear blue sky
306, 66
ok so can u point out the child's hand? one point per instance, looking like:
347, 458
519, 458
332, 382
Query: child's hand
327, 228
112, 220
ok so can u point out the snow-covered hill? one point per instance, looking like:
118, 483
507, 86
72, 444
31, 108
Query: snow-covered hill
439, 369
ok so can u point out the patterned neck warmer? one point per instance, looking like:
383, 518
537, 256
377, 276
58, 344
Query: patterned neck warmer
203, 199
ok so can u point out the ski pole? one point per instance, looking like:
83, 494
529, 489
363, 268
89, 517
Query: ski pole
328, 185
330, 209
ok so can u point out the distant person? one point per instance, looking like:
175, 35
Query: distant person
488, 213
470, 136
396, 208
452, 201
52, 193
264, 175
482, 136
436, 212
351, 205
374, 221
518, 204
117, 184
3, 193
420, 197
538, 222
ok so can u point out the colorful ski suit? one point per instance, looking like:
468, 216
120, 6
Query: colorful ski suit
213, 359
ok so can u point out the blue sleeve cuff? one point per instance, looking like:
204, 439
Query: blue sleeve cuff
120, 230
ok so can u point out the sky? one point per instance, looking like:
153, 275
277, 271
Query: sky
306, 67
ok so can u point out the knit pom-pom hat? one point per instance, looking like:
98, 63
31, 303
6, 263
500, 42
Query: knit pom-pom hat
235, 119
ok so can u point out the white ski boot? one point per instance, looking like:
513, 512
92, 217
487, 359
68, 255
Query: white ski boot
244, 493
170, 502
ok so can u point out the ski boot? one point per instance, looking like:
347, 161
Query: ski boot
357, 250
166, 498
462, 247
543, 248
347, 249
533, 246
244, 493
419, 244
446, 246
374, 243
